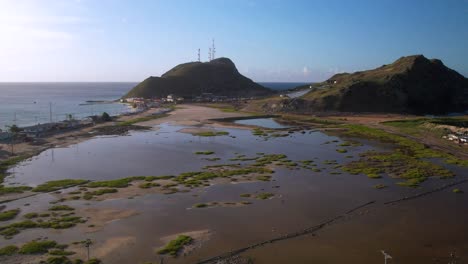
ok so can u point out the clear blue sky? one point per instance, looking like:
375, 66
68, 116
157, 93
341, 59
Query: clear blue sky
117, 40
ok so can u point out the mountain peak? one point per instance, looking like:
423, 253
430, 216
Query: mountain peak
411, 84
218, 76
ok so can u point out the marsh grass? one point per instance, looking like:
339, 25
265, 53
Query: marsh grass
264, 196
211, 133
51, 186
61, 208
8, 250
8, 215
380, 186
37, 247
174, 246
204, 152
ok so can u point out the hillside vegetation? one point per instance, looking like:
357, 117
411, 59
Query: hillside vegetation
412, 84
219, 77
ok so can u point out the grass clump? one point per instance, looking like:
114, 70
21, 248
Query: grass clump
211, 133
200, 205
212, 159
4, 165
61, 252
31, 215
118, 183
59, 260
8, 215
413, 183
456, 190
245, 195
174, 246
204, 152
51, 186
14, 189
90, 195
61, 208
263, 178
37, 247
264, 196
380, 186
341, 150
8, 250
93, 261
147, 185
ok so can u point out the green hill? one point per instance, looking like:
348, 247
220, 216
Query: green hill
219, 77
412, 84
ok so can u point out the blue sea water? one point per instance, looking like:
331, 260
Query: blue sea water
28, 103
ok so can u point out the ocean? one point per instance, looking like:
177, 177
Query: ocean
27, 104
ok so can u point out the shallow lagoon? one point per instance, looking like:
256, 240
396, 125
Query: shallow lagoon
261, 122
302, 199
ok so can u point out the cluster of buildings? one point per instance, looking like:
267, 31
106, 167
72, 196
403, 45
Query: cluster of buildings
459, 138
46, 129
139, 102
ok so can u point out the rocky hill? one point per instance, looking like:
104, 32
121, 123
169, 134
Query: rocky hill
219, 77
412, 84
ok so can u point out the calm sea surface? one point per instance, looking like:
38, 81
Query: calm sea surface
29, 103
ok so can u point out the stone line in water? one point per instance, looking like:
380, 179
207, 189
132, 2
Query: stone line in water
284, 237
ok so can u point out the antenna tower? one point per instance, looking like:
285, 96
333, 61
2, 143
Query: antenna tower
209, 54
213, 51
198, 55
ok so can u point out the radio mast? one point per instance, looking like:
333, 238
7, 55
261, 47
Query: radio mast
198, 55
213, 50
209, 54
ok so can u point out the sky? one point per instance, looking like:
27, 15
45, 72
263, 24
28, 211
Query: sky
268, 40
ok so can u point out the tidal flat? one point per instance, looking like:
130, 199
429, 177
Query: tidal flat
140, 192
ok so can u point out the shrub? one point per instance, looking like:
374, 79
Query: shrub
175, 245
37, 247
8, 215
8, 250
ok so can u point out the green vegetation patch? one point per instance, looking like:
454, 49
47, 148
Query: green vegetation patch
147, 185
212, 159
174, 246
37, 247
90, 195
264, 196
8, 250
200, 205
51, 186
456, 190
8, 215
341, 150
380, 186
406, 161
31, 215
61, 208
61, 252
118, 183
204, 152
211, 133
14, 189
